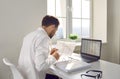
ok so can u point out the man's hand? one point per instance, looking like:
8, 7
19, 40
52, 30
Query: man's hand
53, 50
56, 55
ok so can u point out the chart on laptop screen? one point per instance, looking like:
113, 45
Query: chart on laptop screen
91, 47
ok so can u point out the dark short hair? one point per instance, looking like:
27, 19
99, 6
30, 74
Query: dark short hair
50, 20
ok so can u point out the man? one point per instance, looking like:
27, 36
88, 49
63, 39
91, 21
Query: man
35, 57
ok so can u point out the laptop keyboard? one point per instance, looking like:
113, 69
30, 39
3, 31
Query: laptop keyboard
88, 60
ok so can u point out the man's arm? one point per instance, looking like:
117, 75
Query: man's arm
43, 62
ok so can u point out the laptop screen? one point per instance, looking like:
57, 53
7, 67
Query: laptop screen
91, 47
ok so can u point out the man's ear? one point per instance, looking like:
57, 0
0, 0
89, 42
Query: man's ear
43, 27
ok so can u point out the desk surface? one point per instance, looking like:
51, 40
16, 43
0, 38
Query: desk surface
110, 71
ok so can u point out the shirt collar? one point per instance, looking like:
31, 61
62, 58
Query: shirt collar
40, 28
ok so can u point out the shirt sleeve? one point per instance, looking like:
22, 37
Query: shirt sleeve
43, 62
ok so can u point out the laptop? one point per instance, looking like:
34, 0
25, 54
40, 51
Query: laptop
90, 50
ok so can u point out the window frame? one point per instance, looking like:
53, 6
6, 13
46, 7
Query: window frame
68, 28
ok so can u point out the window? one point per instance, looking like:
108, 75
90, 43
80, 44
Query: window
74, 17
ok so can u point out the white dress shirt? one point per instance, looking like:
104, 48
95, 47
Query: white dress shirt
34, 57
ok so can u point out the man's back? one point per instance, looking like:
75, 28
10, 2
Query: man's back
28, 52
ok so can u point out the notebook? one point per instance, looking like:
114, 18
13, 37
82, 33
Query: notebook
90, 50
72, 65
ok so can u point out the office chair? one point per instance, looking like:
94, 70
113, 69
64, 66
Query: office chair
15, 71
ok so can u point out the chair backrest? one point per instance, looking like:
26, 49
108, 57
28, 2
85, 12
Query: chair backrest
15, 71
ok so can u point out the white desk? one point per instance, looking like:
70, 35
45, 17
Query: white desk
110, 71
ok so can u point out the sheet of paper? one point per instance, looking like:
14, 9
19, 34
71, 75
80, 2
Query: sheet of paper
65, 48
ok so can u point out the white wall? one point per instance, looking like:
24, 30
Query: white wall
114, 30
110, 50
100, 20
17, 18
